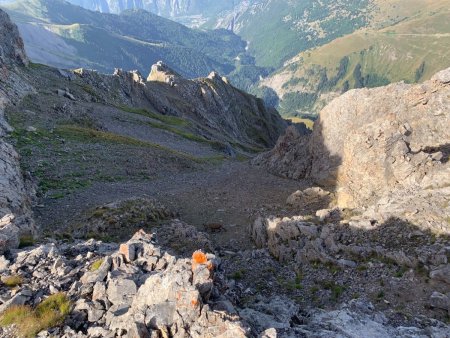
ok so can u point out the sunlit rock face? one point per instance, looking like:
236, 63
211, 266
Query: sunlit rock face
384, 149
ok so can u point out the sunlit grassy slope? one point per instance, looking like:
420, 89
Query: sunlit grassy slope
406, 42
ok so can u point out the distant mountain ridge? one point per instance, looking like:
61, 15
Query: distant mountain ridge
168, 8
60, 34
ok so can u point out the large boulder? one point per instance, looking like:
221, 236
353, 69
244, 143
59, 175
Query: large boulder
371, 141
385, 147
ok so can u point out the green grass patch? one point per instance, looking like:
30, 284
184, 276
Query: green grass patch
33, 65
49, 313
15, 314
314, 289
39, 138
57, 302
362, 267
246, 148
308, 122
96, 265
336, 289
292, 285
179, 132
380, 295
12, 281
88, 89
47, 184
172, 120
334, 269
26, 240
173, 125
401, 271
238, 275
84, 134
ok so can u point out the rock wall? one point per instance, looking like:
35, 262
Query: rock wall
15, 213
384, 146
372, 141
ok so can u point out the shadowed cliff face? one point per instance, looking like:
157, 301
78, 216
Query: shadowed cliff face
15, 214
12, 49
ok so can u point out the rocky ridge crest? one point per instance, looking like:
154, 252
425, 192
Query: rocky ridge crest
219, 111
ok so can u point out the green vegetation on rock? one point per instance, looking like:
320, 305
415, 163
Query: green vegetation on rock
28, 321
12, 281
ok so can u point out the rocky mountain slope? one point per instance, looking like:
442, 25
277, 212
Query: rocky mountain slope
400, 43
181, 122
303, 55
63, 35
293, 26
112, 154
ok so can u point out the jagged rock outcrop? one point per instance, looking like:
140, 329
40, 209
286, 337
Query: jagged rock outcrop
385, 147
140, 289
137, 289
15, 214
295, 239
162, 73
218, 110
